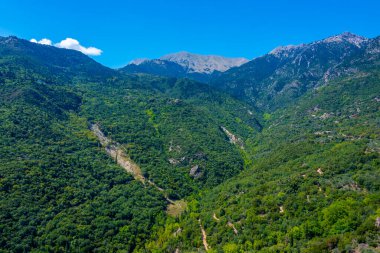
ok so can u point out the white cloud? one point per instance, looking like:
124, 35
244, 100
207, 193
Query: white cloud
44, 41
70, 43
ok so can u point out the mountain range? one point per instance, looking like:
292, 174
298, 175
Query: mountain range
191, 153
295, 68
184, 64
288, 72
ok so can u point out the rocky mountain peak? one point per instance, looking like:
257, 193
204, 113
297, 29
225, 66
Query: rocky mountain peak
196, 63
345, 37
138, 61
285, 50
340, 38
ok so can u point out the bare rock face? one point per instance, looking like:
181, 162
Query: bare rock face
196, 63
377, 222
138, 61
346, 37
197, 67
173, 161
195, 171
233, 138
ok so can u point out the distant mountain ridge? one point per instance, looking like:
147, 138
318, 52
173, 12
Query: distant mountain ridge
287, 72
275, 78
197, 63
340, 38
184, 64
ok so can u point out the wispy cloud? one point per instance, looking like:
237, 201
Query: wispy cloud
70, 43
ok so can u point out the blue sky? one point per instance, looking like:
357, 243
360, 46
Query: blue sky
125, 30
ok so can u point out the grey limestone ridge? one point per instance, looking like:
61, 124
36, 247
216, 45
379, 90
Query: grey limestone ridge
197, 63
184, 64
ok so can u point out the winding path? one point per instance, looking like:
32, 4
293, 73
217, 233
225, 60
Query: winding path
204, 236
231, 225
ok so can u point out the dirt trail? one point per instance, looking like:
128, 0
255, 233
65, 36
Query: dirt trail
204, 236
115, 150
231, 225
215, 218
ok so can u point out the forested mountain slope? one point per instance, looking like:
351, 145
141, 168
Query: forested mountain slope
60, 191
54, 64
171, 127
313, 187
